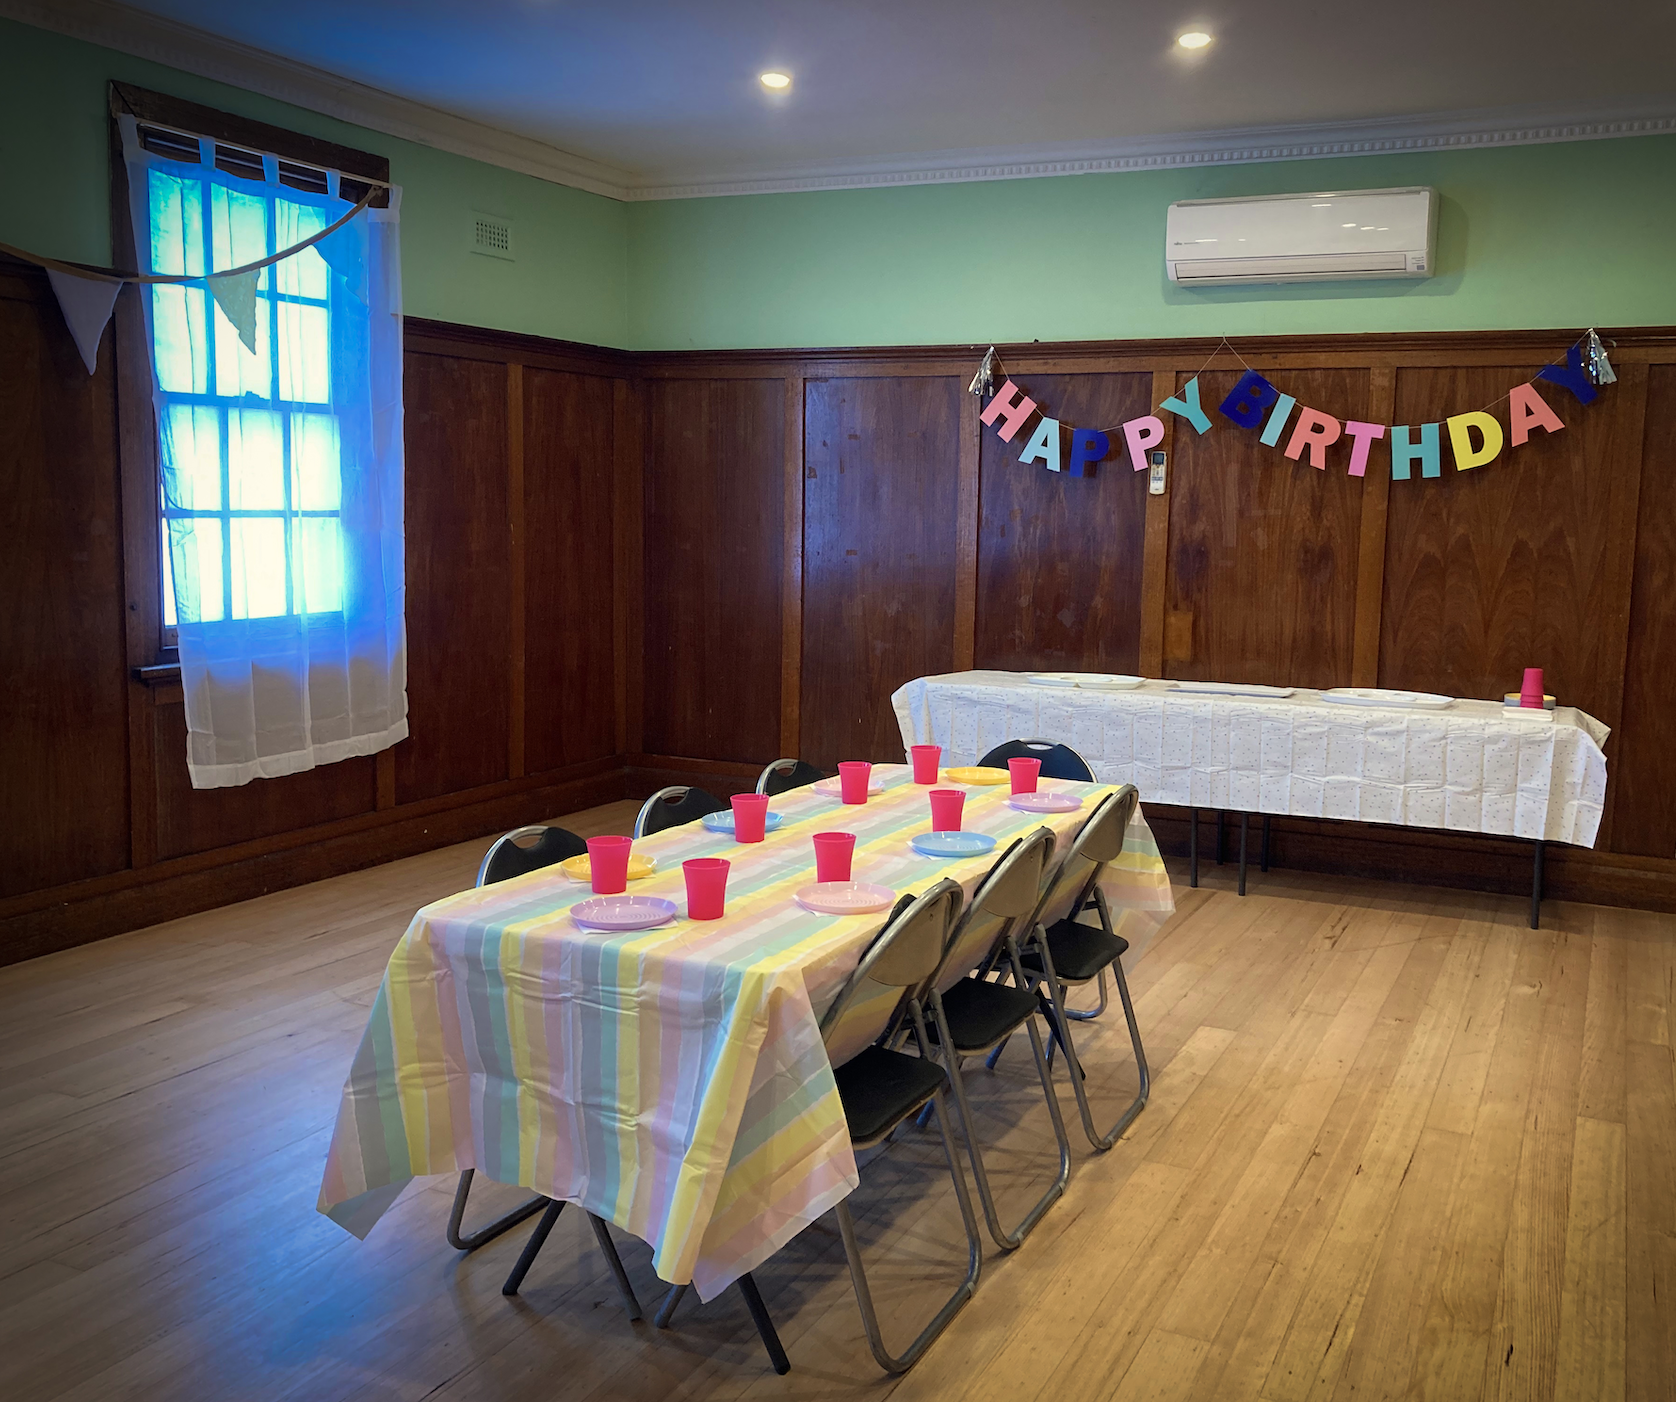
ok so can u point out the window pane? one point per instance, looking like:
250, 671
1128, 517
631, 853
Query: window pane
240, 221
169, 618
255, 460
314, 449
192, 458
319, 565
179, 339
304, 354
197, 569
238, 371
177, 224
258, 568
302, 274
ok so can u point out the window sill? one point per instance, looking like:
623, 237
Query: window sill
158, 674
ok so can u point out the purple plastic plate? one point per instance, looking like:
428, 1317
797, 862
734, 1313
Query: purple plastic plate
622, 912
831, 788
844, 897
1045, 802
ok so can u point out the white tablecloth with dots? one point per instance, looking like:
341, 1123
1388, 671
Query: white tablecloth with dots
1472, 768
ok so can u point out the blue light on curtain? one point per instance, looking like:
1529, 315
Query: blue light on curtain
281, 464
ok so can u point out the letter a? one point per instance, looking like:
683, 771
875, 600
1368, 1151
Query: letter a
1530, 410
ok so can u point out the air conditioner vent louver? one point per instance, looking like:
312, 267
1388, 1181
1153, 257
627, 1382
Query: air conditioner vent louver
491, 236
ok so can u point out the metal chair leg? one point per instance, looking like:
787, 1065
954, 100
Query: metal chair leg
1193, 848
602, 1234
532, 1247
765, 1325
666, 1311
1089, 1014
1245, 824
963, 1112
462, 1241
1099, 1141
963, 1292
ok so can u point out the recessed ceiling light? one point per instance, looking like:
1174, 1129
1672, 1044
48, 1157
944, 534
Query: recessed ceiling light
1350, 225
1193, 39
777, 81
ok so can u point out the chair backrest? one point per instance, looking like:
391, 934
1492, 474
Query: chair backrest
786, 774
669, 808
1058, 761
894, 968
1007, 894
509, 855
1100, 840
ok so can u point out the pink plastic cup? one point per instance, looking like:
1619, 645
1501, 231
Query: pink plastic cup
926, 759
834, 853
1025, 772
853, 777
1530, 694
608, 864
946, 805
750, 816
706, 887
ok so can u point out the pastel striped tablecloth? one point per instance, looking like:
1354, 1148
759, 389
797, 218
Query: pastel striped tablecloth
672, 1080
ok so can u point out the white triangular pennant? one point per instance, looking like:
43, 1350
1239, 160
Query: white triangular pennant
86, 303
237, 297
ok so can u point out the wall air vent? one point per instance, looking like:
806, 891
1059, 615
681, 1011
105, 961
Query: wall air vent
491, 236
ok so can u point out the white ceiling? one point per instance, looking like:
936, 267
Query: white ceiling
656, 93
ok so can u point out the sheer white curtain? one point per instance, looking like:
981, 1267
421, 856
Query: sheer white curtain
279, 415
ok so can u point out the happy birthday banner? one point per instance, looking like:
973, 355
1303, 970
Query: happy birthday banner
1475, 438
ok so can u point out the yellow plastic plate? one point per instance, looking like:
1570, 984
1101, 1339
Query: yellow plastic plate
976, 775
577, 868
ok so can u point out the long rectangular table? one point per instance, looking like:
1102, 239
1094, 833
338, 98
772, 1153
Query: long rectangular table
1470, 768
672, 1081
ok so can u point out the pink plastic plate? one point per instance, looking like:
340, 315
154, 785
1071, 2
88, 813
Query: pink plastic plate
830, 788
1045, 802
844, 897
622, 912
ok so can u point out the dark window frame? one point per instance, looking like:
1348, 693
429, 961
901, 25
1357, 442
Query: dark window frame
240, 143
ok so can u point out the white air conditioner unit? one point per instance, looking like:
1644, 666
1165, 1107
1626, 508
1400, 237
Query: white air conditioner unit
1302, 238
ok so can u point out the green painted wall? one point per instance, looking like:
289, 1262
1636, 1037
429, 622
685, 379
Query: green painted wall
1531, 236
570, 280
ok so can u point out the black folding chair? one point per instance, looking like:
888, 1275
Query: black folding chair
1058, 762
786, 774
879, 1089
671, 807
512, 854
970, 1015
1071, 953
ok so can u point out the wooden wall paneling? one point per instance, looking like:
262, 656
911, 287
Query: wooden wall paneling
516, 562
714, 568
881, 531
64, 723
385, 768
1507, 566
968, 524
1263, 551
1370, 562
458, 577
628, 566
1155, 548
791, 586
1060, 562
1641, 793
570, 648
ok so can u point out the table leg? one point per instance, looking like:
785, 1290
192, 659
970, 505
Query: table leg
1265, 842
1245, 823
1536, 884
1193, 847
1221, 846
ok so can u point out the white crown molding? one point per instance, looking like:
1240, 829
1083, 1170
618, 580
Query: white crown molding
132, 31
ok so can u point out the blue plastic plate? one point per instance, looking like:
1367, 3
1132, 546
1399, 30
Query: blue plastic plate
723, 822
952, 844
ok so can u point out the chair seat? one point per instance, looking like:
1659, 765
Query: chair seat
981, 1013
1079, 951
880, 1088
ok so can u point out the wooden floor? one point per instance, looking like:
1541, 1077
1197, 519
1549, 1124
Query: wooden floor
1398, 1146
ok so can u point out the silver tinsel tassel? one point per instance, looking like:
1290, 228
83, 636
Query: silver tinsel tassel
1594, 356
983, 383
